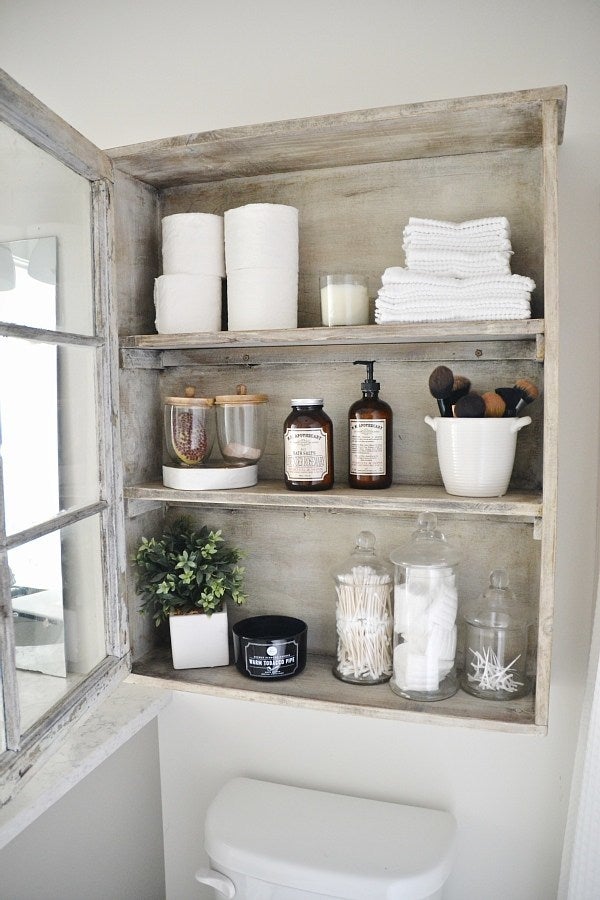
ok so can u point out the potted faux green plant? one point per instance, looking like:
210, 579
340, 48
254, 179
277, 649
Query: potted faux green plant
185, 577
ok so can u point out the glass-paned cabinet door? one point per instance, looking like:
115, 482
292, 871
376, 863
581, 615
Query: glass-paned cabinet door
56, 503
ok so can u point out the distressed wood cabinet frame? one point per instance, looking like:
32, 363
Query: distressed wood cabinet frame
373, 168
356, 178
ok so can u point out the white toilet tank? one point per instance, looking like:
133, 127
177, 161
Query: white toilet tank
275, 842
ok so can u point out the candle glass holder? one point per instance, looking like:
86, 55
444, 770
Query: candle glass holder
344, 300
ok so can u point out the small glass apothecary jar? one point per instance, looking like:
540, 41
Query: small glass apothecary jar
425, 610
363, 615
242, 425
497, 628
189, 429
308, 446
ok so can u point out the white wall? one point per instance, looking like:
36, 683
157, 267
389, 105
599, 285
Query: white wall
101, 841
123, 73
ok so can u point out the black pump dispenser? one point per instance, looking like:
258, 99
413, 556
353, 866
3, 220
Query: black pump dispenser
369, 436
370, 386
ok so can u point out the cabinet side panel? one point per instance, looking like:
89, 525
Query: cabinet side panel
137, 249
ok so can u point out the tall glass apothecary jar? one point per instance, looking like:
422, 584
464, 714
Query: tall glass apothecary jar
425, 610
363, 615
497, 628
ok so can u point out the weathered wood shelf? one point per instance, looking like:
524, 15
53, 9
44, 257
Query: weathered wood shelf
317, 688
503, 339
523, 506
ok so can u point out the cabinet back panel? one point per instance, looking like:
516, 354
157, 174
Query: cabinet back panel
403, 385
352, 219
291, 555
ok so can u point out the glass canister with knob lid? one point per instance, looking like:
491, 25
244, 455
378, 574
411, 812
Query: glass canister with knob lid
425, 611
497, 628
364, 619
242, 425
189, 429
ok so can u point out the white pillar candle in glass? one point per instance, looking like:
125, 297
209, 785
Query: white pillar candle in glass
344, 300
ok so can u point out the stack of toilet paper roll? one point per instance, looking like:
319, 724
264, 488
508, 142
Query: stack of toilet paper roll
187, 296
261, 253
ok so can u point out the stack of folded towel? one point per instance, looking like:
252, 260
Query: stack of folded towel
454, 272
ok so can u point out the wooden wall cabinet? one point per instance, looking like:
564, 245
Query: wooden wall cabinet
355, 178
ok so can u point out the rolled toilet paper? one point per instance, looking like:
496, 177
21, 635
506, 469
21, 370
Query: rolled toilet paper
186, 303
193, 244
261, 299
261, 236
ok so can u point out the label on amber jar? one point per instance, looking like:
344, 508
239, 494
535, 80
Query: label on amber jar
306, 457
367, 447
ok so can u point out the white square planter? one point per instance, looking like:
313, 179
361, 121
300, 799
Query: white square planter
199, 641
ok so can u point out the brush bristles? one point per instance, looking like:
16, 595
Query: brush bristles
461, 383
495, 407
528, 389
440, 382
470, 406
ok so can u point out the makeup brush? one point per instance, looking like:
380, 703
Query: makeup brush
447, 388
495, 406
519, 396
460, 388
470, 406
511, 397
441, 382
528, 391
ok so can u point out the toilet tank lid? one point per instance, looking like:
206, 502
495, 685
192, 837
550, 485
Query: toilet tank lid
329, 843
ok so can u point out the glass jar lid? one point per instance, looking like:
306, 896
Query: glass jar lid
427, 546
190, 399
498, 607
240, 396
308, 401
363, 562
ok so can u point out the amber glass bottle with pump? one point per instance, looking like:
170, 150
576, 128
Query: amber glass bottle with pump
369, 436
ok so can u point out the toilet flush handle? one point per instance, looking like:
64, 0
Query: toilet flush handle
219, 882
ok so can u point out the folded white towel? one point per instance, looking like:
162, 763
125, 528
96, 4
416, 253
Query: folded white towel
483, 235
456, 312
400, 277
489, 225
416, 304
459, 263
484, 243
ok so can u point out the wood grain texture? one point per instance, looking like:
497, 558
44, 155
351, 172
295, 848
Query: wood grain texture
411, 131
28, 116
316, 688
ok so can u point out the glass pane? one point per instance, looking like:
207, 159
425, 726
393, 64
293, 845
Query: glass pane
50, 459
58, 612
43, 283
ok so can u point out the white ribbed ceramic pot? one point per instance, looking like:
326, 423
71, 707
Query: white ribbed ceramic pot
476, 456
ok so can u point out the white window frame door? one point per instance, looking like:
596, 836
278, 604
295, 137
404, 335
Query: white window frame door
22, 112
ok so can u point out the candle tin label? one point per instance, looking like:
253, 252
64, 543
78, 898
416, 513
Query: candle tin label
267, 660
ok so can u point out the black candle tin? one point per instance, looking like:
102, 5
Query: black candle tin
270, 647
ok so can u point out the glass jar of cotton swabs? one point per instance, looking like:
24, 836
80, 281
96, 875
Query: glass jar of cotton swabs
364, 618
496, 627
